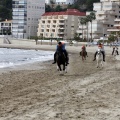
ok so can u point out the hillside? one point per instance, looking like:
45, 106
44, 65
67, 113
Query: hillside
5, 9
82, 5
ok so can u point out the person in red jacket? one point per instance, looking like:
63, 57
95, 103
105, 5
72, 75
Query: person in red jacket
84, 49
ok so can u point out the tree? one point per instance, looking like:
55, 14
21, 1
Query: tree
112, 38
86, 20
89, 4
82, 22
52, 3
76, 37
90, 18
5, 9
48, 8
58, 8
36, 39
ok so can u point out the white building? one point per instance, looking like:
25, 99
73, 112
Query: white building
107, 15
48, 1
65, 2
25, 15
106, 12
59, 24
5, 27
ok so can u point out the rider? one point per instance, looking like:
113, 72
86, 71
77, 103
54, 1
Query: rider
61, 46
115, 48
101, 47
84, 49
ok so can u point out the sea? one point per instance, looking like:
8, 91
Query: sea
14, 57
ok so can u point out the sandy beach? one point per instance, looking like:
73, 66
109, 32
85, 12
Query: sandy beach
38, 92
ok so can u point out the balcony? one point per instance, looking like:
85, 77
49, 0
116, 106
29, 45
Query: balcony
105, 22
116, 25
113, 13
113, 30
61, 28
48, 26
96, 36
97, 31
115, 0
60, 32
104, 0
79, 31
101, 17
102, 12
117, 19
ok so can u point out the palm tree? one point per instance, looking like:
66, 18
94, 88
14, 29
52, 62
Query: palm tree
86, 22
82, 22
91, 17
52, 4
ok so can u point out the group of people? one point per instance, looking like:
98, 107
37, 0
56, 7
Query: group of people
61, 46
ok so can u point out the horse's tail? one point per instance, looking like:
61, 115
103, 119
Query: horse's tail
80, 53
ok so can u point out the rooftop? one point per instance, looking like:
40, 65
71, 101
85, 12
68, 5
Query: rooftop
74, 12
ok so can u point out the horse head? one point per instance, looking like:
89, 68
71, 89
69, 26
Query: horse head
99, 51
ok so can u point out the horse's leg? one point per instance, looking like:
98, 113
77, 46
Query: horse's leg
102, 64
58, 68
61, 72
97, 64
64, 68
82, 58
85, 57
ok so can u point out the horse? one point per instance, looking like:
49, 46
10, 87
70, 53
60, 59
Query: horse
83, 53
61, 60
99, 58
114, 54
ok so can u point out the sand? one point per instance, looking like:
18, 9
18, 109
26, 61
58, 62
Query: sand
38, 92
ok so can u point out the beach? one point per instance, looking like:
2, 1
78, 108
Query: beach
38, 92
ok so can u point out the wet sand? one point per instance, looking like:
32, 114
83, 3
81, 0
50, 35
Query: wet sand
38, 91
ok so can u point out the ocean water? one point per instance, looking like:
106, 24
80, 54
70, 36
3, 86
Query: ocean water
14, 57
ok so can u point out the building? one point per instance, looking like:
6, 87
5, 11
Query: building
49, 1
65, 2
107, 11
85, 30
25, 15
116, 28
5, 27
59, 24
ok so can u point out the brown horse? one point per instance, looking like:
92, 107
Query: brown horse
83, 53
61, 60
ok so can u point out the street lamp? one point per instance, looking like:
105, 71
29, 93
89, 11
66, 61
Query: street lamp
29, 31
51, 38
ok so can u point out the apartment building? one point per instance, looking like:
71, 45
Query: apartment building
5, 27
107, 12
59, 24
116, 27
60, 1
25, 15
85, 30
49, 1
65, 2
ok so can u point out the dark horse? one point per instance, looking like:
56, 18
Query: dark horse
61, 60
83, 53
